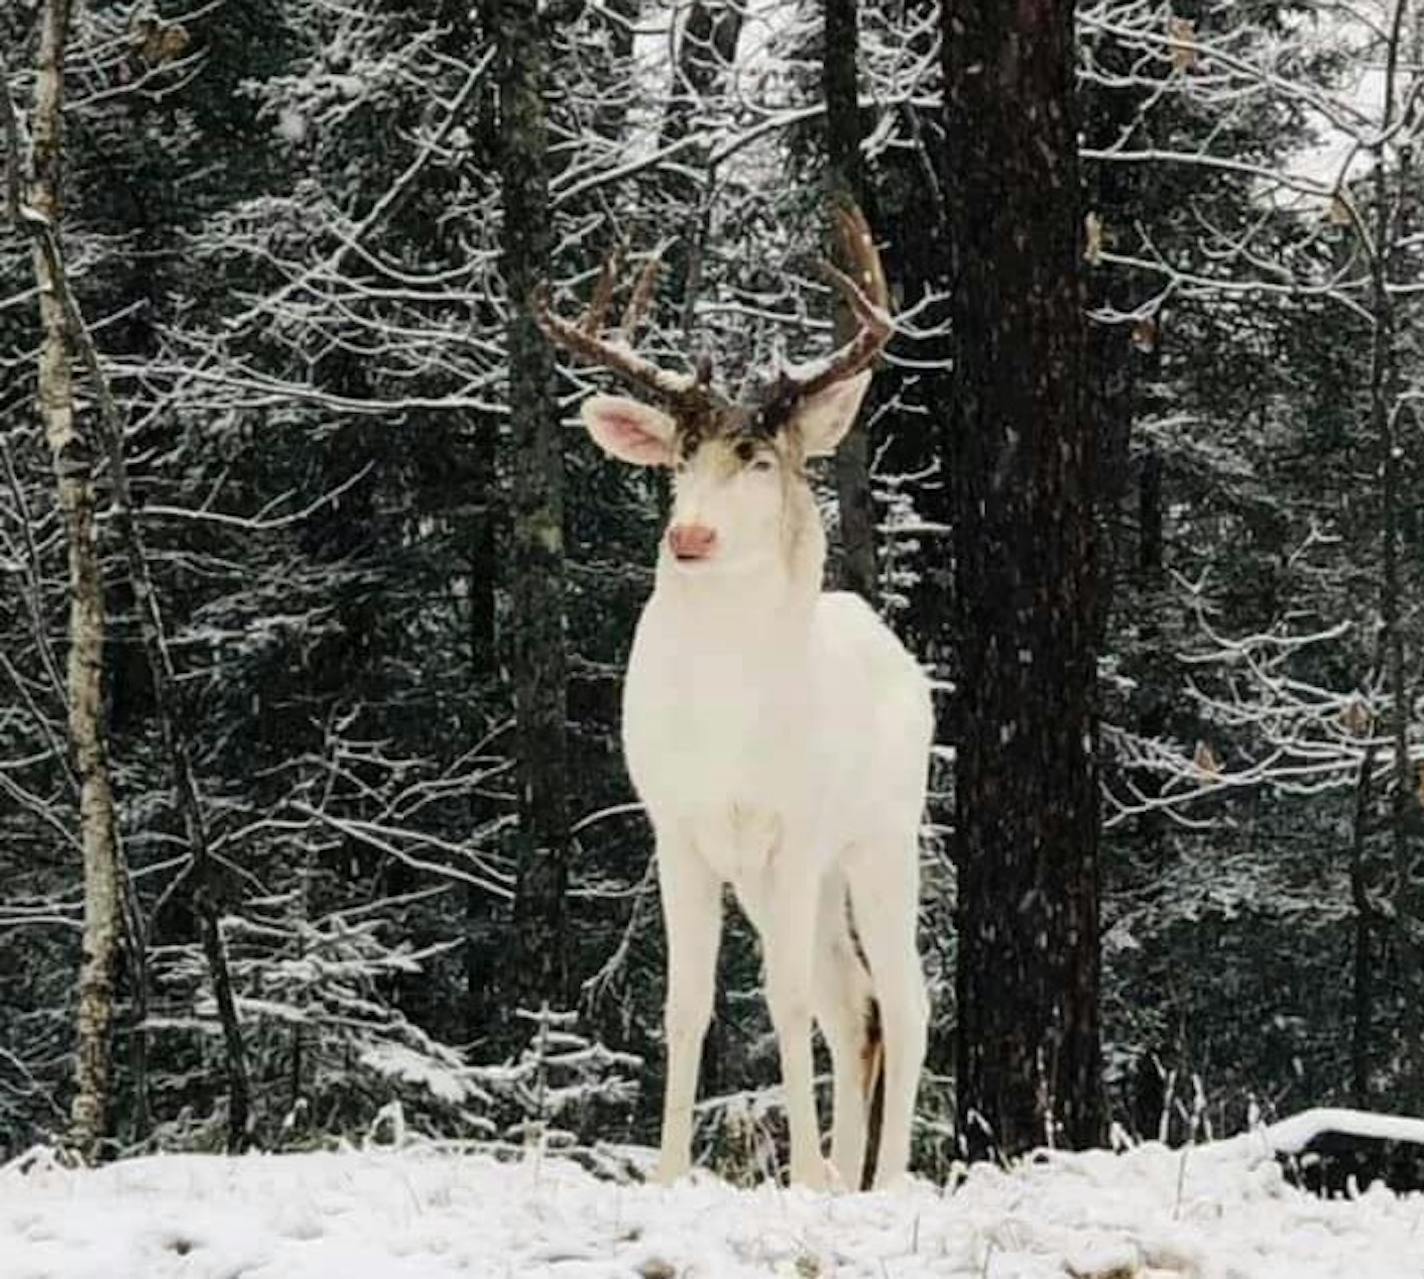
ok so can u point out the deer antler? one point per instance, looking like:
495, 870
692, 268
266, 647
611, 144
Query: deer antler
867, 298
642, 295
865, 293
585, 339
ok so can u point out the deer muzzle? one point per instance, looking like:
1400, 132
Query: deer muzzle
692, 541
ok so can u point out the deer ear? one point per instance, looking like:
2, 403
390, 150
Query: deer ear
629, 430
824, 418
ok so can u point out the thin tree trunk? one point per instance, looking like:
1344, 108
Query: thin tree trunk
73, 339
1363, 992
1384, 398
73, 478
845, 180
1023, 461
167, 698
539, 954
481, 946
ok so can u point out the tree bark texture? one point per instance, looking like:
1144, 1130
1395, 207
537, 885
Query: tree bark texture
1385, 396
1362, 995
537, 571
74, 480
1022, 455
845, 179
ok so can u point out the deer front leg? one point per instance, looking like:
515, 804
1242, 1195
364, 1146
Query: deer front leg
692, 916
788, 938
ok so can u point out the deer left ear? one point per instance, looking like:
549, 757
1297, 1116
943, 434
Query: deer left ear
824, 418
630, 430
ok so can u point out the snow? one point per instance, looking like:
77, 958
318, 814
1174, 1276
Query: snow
1291, 1136
1219, 1211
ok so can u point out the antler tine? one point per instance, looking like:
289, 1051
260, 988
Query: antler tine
616, 356
867, 299
642, 294
592, 322
858, 248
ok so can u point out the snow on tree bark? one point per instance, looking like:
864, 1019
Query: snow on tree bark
540, 967
1022, 456
73, 466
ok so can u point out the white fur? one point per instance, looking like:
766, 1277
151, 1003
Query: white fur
779, 736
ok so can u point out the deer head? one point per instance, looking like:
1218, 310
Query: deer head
738, 464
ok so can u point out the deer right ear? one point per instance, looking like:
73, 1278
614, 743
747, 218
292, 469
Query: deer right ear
629, 430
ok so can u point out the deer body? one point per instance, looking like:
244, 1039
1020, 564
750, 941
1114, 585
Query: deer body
778, 736
779, 739
803, 718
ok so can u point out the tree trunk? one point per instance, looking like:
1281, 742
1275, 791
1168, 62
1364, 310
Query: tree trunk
66, 337
73, 469
1022, 450
1362, 995
1384, 401
536, 571
845, 180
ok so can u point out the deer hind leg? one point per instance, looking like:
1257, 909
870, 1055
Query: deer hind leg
885, 906
692, 913
843, 1000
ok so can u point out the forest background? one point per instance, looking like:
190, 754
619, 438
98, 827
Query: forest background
285, 224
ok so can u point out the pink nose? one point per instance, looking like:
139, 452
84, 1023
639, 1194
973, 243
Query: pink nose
691, 541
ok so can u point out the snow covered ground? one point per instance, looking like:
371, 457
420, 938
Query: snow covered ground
1217, 1212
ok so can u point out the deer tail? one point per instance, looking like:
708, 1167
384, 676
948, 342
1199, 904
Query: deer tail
872, 1084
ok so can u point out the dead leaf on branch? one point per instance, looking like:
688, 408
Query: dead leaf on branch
1092, 238
1181, 42
1356, 718
159, 42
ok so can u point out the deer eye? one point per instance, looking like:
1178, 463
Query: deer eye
762, 464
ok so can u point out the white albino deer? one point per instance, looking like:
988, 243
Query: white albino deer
777, 734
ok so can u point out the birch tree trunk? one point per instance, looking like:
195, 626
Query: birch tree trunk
73, 470
67, 337
1022, 458
540, 961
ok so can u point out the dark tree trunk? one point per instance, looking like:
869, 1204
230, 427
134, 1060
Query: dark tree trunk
482, 947
536, 572
1385, 397
1022, 457
1362, 994
845, 179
